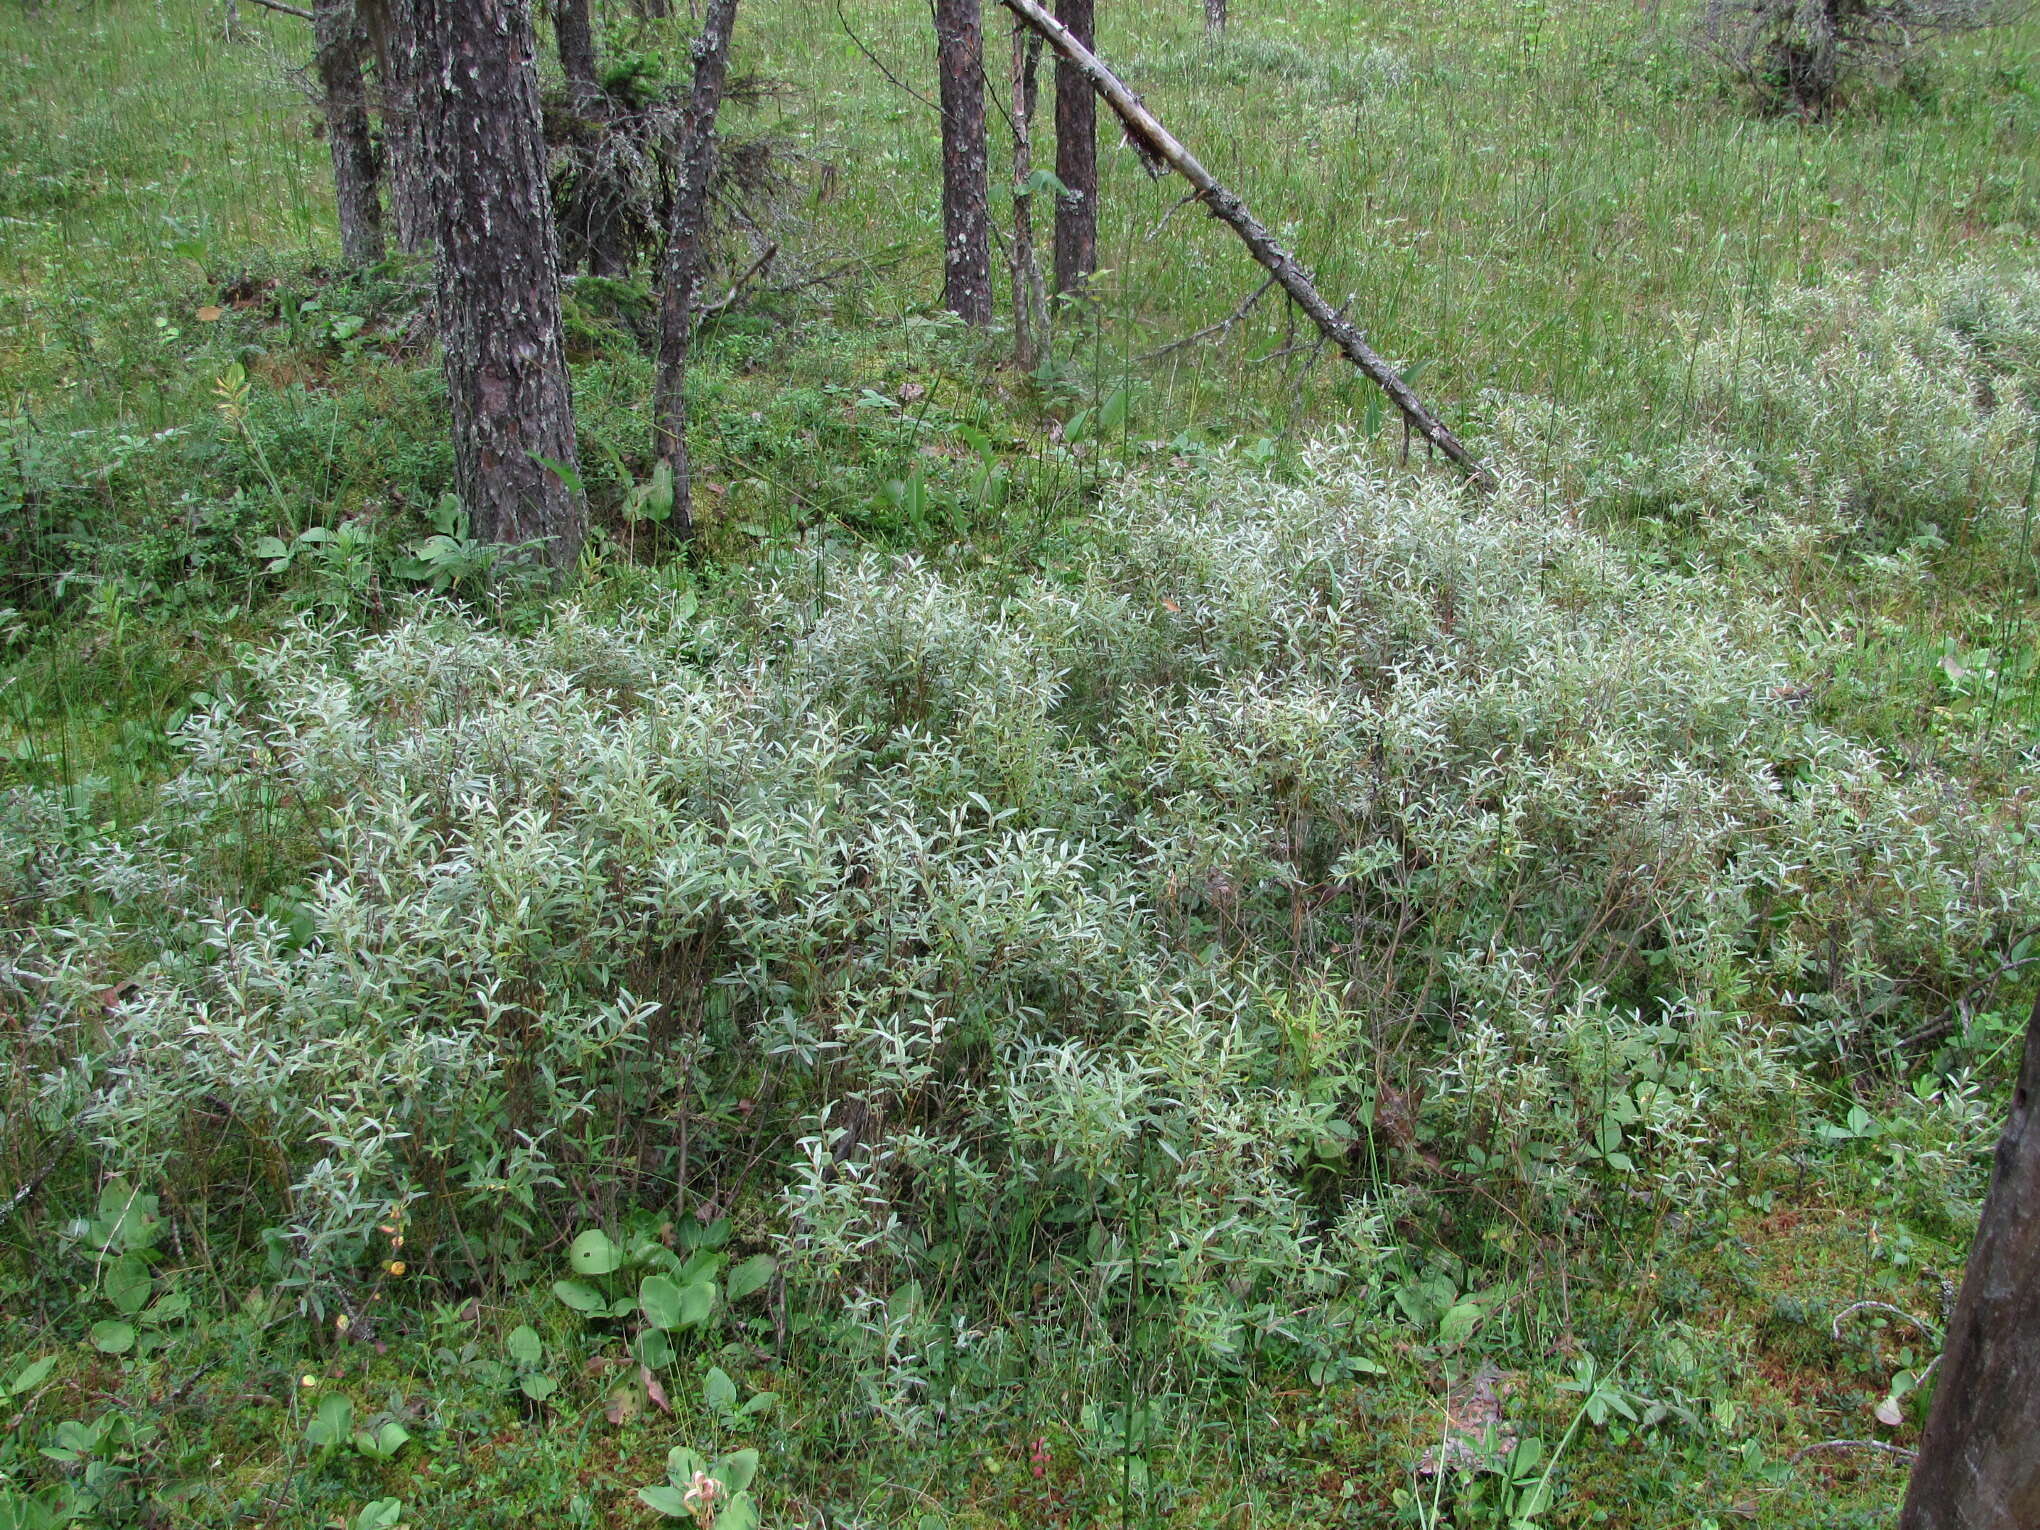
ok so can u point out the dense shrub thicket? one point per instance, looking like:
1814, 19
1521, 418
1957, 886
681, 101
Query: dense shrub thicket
1311, 841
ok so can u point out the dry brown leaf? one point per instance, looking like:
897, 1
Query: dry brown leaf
623, 1404
212, 313
653, 1390
1475, 1431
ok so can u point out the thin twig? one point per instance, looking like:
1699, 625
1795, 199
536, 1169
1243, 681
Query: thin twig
736, 288
1878, 1445
1246, 306
1174, 207
288, 10
1920, 1323
858, 43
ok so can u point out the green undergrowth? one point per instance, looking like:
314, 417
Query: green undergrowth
1111, 946
1336, 936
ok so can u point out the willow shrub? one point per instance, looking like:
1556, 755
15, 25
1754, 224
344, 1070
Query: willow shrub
1314, 839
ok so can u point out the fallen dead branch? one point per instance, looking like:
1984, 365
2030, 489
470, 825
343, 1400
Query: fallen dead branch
1145, 131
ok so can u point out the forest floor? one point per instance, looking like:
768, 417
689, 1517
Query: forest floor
1115, 947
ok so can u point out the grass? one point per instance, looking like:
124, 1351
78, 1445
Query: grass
1693, 336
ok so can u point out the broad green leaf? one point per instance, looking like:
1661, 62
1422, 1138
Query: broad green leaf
761, 1402
127, 1284
20, 1512
659, 1298
682, 1464
1458, 1324
697, 1301
537, 1386
701, 1265
718, 1391
379, 1514
594, 1253
384, 1442
667, 1500
1112, 413
127, 1218
580, 1296
31, 1375
739, 1514
332, 1422
654, 1349
113, 1338
524, 1346
168, 1308
752, 1275
735, 1470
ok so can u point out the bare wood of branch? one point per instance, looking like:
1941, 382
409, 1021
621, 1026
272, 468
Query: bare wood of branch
1246, 306
288, 10
1920, 1323
757, 268
1145, 130
877, 63
1163, 222
1899, 1451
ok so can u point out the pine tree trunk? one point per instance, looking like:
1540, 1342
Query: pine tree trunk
686, 239
1030, 305
575, 31
1214, 17
1076, 157
1979, 1461
341, 44
499, 280
406, 162
966, 214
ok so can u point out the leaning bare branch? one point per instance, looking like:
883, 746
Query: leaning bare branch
1163, 222
728, 300
879, 64
1246, 306
1145, 131
288, 10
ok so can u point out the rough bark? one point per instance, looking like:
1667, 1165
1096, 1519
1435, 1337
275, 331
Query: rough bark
1076, 156
341, 42
1030, 305
601, 195
575, 31
499, 281
966, 175
1214, 17
1979, 1460
1148, 134
407, 170
686, 238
